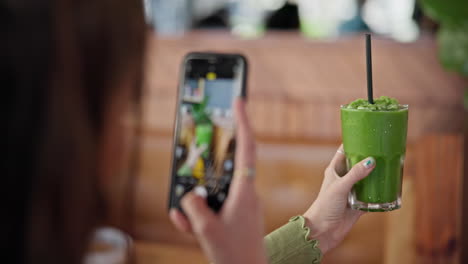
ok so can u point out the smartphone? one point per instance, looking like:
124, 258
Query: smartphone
204, 133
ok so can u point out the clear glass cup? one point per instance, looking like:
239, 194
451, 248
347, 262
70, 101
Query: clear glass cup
381, 135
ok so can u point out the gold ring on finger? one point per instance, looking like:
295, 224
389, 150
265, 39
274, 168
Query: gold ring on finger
245, 172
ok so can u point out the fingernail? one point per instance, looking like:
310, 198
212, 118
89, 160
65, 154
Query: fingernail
369, 163
200, 191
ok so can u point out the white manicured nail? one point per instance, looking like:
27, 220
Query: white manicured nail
369, 163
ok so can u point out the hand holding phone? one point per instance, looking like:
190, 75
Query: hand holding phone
204, 136
235, 235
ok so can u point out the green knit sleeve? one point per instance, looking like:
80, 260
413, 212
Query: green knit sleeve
291, 244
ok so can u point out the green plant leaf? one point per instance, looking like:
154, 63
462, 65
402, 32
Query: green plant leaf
448, 11
453, 46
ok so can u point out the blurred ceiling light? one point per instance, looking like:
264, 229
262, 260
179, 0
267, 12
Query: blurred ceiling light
147, 10
392, 18
246, 31
322, 19
204, 8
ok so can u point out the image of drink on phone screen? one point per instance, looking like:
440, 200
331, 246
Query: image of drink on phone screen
204, 134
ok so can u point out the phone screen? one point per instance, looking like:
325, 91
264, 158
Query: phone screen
204, 148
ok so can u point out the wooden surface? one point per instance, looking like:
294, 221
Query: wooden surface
438, 199
295, 89
288, 180
399, 229
464, 227
156, 253
296, 86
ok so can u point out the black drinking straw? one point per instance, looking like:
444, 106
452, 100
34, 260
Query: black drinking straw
370, 97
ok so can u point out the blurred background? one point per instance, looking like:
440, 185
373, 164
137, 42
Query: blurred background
306, 59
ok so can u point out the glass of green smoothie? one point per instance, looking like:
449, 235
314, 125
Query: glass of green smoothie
376, 130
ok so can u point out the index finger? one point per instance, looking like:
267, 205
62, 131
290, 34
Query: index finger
338, 163
242, 186
245, 143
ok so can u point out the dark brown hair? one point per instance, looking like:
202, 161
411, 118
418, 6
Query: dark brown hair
59, 62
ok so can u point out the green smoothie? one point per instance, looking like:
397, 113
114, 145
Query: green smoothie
377, 130
204, 135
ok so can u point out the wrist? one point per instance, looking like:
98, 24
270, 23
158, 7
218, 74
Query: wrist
317, 230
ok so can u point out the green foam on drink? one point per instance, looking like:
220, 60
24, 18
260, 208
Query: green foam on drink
384, 103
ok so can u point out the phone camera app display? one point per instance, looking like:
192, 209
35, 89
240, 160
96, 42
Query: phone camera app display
205, 142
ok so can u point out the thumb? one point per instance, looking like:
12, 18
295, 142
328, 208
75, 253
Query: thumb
203, 220
180, 221
357, 173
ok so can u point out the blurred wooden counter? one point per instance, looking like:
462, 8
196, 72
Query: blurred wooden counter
295, 89
288, 179
157, 253
296, 86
